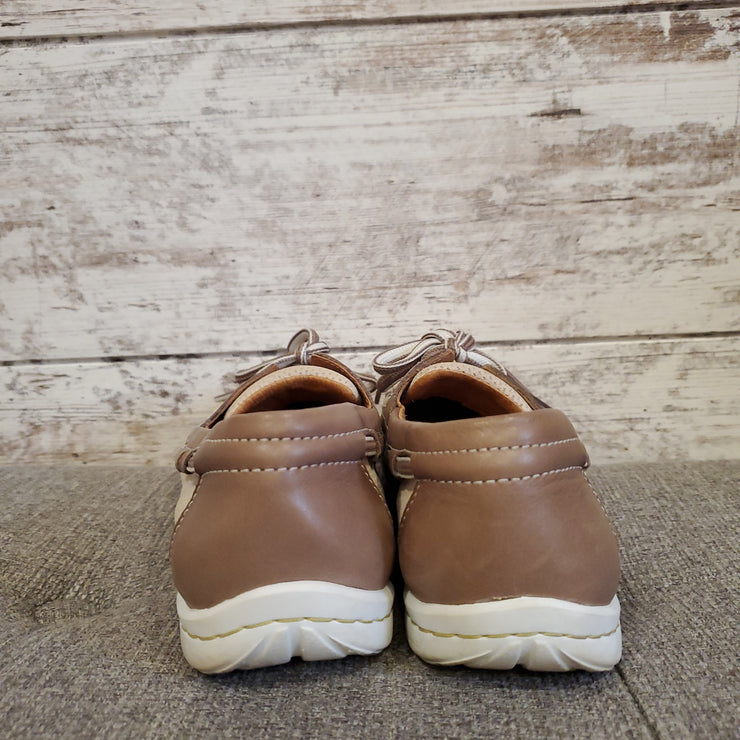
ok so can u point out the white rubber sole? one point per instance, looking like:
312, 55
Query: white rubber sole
537, 633
270, 625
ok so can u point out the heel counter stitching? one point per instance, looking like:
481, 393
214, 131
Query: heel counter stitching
409, 504
376, 488
184, 513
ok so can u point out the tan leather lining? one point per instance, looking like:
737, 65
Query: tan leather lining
475, 388
300, 384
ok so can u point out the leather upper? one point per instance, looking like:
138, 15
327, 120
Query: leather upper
282, 495
500, 506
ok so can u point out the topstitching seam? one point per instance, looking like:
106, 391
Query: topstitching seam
507, 480
288, 439
488, 449
274, 470
185, 511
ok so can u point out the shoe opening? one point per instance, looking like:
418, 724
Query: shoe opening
300, 387
449, 391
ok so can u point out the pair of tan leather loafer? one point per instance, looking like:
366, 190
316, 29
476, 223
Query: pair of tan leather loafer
284, 544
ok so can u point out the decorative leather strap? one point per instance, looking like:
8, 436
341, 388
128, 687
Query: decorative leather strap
517, 446
229, 443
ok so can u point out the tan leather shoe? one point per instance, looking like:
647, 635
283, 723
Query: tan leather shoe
506, 553
283, 544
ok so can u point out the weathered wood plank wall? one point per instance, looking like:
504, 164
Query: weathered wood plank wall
566, 186
33, 19
628, 399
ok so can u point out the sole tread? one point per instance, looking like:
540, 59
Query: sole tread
557, 635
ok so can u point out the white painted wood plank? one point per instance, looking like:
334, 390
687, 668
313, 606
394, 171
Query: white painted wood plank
24, 19
629, 400
522, 178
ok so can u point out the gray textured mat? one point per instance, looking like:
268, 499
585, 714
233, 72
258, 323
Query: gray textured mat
88, 644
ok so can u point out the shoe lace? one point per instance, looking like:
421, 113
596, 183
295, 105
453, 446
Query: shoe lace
301, 348
394, 363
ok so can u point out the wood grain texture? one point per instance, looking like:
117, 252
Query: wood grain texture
522, 178
27, 19
572, 178
629, 400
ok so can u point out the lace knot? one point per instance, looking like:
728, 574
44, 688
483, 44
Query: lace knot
301, 348
394, 363
460, 343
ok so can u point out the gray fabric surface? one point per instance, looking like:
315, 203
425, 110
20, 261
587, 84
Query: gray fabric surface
88, 643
